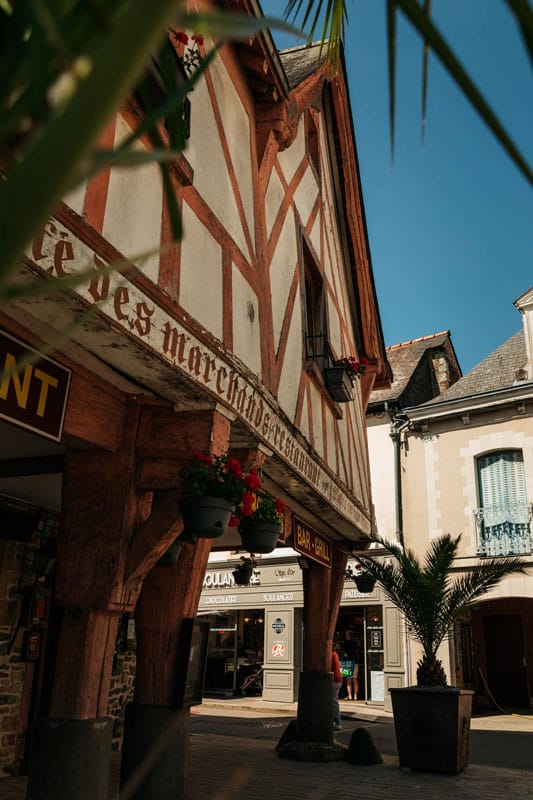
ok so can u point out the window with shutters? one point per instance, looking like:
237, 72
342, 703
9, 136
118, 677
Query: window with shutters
504, 514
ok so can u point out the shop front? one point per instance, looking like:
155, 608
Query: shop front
235, 653
256, 632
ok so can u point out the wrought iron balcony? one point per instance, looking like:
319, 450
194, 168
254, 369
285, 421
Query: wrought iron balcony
504, 530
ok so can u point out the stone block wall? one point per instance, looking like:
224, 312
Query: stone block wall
12, 667
121, 693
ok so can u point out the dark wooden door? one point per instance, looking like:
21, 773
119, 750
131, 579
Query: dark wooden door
504, 649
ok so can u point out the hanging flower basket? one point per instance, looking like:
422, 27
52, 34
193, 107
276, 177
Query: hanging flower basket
363, 580
259, 518
212, 486
244, 570
261, 537
339, 383
243, 576
365, 583
206, 517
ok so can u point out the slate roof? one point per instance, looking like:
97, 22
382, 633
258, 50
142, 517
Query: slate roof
497, 371
300, 62
404, 359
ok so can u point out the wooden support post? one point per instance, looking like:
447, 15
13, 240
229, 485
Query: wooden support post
322, 594
170, 594
115, 529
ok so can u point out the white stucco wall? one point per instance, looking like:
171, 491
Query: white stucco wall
290, 159
289, 384
76, 198
132, 220
274, 196
381, 454
201, 266
282, 267
208, 160
246, 323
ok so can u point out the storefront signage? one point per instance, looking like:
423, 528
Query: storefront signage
32, 395
310, 543
278, 626
278, 597
278, 650
284, 574
58, 252
212, 580
221, 600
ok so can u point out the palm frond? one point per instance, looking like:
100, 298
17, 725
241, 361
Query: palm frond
425, 66
426, 593
419, 17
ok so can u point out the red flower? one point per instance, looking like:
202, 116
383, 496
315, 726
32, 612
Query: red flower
233, 521
234, 467
252, 481
182, 37
198, 38
198, 456
280, 505
248, 500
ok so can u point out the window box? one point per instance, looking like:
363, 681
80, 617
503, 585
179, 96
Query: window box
339, 383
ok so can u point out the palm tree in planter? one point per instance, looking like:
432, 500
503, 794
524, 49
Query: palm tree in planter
432, 719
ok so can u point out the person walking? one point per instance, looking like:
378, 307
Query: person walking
352, 681
337, 683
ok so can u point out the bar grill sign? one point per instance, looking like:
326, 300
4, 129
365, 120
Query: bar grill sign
310, 543
33, 396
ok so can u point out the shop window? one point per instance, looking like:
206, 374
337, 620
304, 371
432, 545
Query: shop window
503, 519
375, 654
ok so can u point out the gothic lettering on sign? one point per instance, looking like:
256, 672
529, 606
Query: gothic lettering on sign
57, 251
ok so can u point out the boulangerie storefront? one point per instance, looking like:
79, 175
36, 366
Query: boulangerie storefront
257, 630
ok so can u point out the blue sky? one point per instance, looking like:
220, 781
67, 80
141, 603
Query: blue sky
450, 221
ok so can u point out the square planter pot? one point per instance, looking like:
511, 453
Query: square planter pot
432, 728
339, 384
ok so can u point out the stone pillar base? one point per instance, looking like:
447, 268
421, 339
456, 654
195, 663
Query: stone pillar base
315, 709
155, 750
70, 759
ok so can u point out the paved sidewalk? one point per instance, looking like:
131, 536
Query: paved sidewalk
520, 721
223, 767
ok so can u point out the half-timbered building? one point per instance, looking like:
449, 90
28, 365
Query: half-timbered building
219, 343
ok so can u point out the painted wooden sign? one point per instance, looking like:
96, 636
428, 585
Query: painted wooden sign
33, 388
310, 543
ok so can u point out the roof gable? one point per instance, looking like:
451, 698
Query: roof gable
500, 370
415, 378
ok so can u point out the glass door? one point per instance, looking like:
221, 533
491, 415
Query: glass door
375, 658
220, 677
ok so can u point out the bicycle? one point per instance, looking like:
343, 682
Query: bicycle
253, 682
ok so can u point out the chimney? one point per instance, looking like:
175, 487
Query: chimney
525, 305
441, 370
